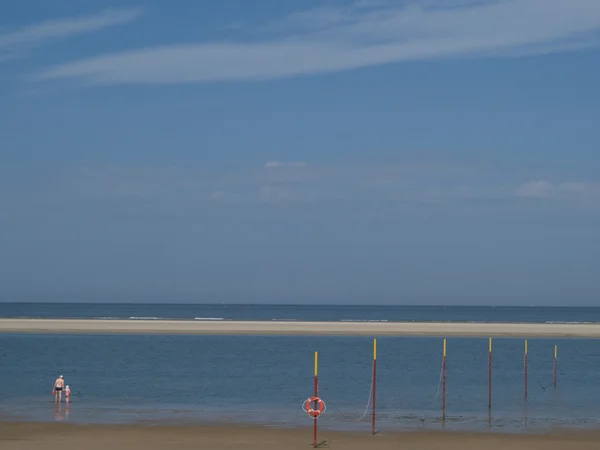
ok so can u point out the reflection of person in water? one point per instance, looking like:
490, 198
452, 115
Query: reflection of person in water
58, 414
59, 385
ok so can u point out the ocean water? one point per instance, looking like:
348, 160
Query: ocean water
264, 379
302, 312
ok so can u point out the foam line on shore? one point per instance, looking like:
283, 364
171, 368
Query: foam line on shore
91, 326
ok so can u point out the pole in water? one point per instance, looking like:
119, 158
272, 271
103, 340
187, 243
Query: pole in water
490, 377
374, 385
444, 384
316, 386
525, 367
555, 357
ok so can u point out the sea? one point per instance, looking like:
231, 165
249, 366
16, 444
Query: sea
265, 379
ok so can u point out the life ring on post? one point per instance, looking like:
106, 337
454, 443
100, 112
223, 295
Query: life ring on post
314, 406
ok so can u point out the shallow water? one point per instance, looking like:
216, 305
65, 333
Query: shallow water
124, 378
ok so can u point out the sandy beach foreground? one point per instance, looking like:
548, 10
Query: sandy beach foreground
300, 328
34, 436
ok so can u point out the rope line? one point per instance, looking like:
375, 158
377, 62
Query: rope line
370, 399
437, 393
370, 395
366, 408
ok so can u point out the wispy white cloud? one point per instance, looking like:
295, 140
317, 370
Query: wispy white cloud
571, 190
300, 183
357, 35
55, 29
275, 164
537, 189
400, 184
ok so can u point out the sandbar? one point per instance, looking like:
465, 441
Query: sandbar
64, 436
227, 327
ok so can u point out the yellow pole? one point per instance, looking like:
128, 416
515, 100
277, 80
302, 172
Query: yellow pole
444, 384
526, 368
555, 356
374, 405
490, 377
316, 395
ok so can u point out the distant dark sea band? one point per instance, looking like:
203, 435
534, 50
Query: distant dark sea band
215, 326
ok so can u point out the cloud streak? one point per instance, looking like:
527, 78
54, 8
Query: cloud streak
401, 184
358, 35
571, 190
55, 29
276, 164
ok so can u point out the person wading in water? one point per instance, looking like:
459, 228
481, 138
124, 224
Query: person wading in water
59, 385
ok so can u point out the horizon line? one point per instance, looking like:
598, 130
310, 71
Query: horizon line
293, 304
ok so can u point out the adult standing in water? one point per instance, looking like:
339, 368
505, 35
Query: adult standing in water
59, 385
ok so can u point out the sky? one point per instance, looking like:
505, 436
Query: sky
338, 151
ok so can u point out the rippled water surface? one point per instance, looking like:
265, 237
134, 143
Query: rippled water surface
128, 378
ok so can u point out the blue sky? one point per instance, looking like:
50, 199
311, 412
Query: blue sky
369, 151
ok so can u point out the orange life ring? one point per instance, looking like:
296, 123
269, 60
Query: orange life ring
314, 411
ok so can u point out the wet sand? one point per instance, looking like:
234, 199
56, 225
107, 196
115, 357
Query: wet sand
53, 436
226, 327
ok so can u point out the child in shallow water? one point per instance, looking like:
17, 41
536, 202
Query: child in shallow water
67, 394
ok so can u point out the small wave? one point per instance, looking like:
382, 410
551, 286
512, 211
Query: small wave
106, 318
284, 320
559, 322
208, 318
364, 320
146, 318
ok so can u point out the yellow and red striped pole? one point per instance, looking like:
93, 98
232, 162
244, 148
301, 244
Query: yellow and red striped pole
490, 377
555, 357
444, 383
374, 386
525, 367
316, 385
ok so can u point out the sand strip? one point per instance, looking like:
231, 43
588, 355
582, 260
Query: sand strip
298, 328
54, 436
